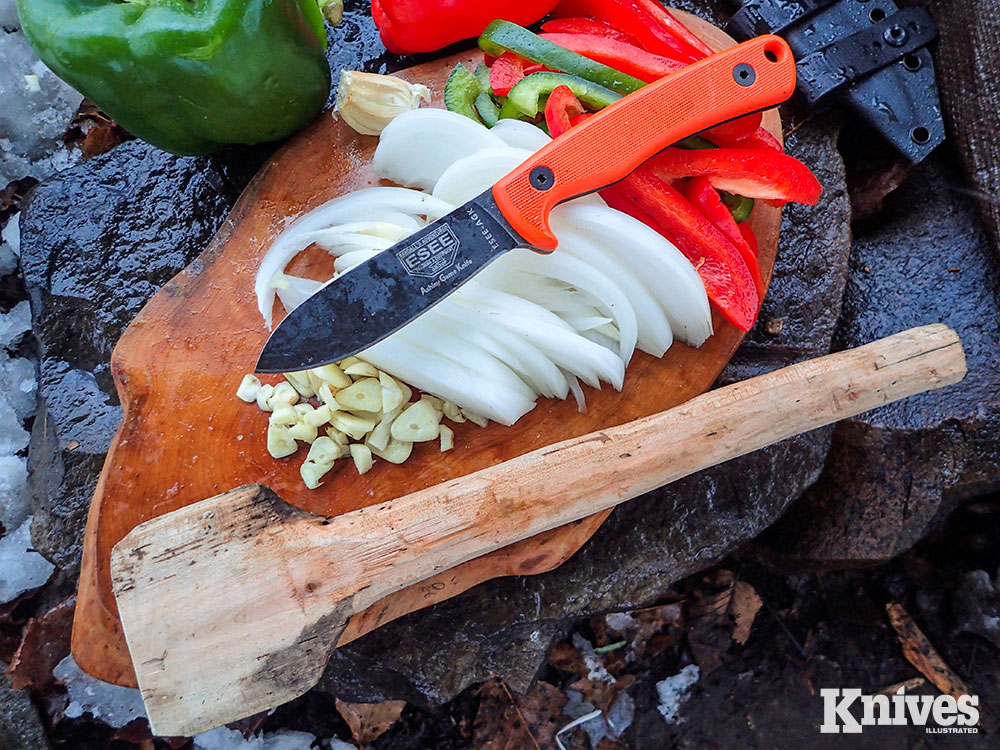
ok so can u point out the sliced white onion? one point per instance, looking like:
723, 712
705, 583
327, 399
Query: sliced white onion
476, 173
418, 146
520, 134
662, 267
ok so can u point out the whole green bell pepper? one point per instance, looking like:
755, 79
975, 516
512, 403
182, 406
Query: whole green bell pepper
189, 76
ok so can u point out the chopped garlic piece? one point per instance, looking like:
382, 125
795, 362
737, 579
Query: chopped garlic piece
353, 426
324, 450
300, 382
437, 403
361, 370
396, 452
303, 409
368, 101
362, 456
453, 412
249, 387
318, 417
475, 418
313, 471
264, 397
364, 395
337, 436
379, 437
304, 432
284, 416
326, 395
347, 362
314, 382
283, 395
392, 394
333, 375
418, 423
447, 438
279, 442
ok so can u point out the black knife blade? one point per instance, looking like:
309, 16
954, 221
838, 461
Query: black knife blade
378, 297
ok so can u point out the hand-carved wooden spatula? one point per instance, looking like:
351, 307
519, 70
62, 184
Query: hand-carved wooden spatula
232, 605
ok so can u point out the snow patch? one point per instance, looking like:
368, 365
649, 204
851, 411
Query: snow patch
673, 691
224, 738
21, 567
114, 705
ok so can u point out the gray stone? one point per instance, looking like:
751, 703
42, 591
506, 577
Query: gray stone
976, 603
20, 725
97, 242
892, 473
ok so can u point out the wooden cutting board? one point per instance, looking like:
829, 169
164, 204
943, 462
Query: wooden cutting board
185, 436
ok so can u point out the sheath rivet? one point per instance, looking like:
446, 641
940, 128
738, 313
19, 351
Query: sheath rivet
895, 36
744, 74
541, 178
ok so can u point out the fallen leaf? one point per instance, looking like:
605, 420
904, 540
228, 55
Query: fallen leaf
45, 643
369, 721
743, 607
919, 651
508, 721
602, 693
565, 656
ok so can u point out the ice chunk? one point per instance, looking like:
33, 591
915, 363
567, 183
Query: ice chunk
10, 244
14, 325
114, 705
8, 16
223, 738
21, 568
13, 437
37, 108
674, 690
11, 234
17, 385
13, 491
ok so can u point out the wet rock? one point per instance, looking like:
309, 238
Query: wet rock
97, 242
977, 605
893, 472
20, 725
505, 627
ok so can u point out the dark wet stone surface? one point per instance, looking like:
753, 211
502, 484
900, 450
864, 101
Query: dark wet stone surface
894, 472
20, 724
97, 242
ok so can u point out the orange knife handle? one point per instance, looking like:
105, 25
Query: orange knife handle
604, 149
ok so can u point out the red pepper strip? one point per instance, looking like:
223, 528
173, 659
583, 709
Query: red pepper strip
735, 130
584, 25
410, 26
760, 138
656, 28
506, 72
750, 238
703, 196
560, 108
754, 172
627, 58
728, 281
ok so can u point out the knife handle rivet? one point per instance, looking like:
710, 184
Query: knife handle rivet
541, 178
744, 74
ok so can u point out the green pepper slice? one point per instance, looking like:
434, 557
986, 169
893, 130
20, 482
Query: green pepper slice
739, 205
503, 36
461, 90
525, 99
189, 76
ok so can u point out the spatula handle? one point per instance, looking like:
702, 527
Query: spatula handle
443, 526
751, 76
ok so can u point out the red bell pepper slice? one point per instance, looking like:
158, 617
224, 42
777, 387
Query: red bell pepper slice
735, 130
584, 25
705, 198
760, 138
728, 280
508, 69
760, 173
562, 106
627, 58
654, 26
750, 238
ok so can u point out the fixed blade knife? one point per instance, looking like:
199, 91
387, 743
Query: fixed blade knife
381, 295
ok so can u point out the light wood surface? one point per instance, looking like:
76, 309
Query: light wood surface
231, 605
184, 436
